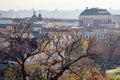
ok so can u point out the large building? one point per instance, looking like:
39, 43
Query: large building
51, 22
95, 17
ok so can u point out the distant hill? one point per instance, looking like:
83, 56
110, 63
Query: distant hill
64, 14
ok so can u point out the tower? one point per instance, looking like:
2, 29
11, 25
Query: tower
40, 17
34, 15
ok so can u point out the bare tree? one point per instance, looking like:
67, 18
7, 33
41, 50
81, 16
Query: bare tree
68, 49
17, 46
65, 49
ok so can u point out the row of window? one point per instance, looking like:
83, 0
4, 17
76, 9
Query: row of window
101, 36
69, 38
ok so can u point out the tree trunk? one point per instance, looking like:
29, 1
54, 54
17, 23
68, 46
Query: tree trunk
23, 72
60, 73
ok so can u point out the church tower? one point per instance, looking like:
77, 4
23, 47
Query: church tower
40, 17
34, 15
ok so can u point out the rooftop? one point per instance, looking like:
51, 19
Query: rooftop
95, 11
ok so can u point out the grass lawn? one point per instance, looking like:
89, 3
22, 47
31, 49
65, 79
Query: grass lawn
114, 74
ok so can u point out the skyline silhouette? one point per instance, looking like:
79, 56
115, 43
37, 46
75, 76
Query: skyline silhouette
57, 4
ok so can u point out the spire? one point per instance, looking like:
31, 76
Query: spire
34, 12
34, 15
39, 16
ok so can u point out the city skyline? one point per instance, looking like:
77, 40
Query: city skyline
57, 4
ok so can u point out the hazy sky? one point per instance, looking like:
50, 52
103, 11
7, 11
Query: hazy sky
58, 4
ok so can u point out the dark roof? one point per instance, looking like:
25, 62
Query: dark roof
95, 11
4, 25
5, 18
36, 25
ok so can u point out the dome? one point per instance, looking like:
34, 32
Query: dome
95, 11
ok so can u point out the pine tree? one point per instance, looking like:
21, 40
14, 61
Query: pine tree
9, 73
38, 74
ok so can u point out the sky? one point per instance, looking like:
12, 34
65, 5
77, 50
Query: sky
58, 4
